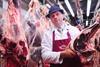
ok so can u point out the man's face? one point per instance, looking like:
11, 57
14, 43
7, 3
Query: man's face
57, 18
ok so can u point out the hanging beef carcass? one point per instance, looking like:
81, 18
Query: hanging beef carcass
14, 41
84, 45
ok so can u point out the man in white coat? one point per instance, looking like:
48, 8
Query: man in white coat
55, 41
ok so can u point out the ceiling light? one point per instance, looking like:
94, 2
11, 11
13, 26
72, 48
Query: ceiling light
88, 7
69, 7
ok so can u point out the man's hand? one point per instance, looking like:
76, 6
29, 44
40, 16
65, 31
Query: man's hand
2, 49
68, 53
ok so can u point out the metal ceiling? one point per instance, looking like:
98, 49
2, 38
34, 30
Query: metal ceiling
95, 4
83, 4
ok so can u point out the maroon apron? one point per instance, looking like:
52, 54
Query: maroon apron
59, 45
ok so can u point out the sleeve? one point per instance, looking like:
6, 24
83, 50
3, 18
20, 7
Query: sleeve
47, 54
74, 32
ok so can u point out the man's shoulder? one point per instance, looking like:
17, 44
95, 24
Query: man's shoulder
70, 27
48, 31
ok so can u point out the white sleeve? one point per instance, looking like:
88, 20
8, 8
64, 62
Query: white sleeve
47, 54
74, 32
